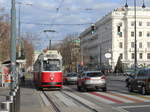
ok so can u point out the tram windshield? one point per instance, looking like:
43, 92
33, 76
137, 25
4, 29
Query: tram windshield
52, 65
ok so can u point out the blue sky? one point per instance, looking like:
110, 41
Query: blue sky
70, 12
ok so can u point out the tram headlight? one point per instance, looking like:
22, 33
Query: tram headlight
52, 78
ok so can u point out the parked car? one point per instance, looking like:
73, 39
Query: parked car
129, 78
141, 82
70, 78
91, 80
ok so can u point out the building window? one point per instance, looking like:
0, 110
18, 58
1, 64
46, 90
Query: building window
120, 45
141, 55
121, 56
120, 34
132, 23
140, 34
119, 30
148, 23
140, 45
148, 55
148, 34
132, 44
132, 34
140, 23
132, 56
148, 44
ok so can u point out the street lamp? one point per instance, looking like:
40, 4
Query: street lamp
135, 37
19, 25
45, 31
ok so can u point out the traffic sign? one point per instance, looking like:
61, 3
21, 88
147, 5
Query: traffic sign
108, 55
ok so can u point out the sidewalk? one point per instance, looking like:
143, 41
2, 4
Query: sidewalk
3, 93
30, 99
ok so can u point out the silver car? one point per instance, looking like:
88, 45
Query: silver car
91, 80
70, 78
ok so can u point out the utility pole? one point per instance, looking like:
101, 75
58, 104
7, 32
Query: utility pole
20, 52
19, 26
135, 38
135, 32
50, 44
13, 44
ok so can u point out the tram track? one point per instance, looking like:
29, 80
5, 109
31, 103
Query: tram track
55, 108
83, 104
58, 109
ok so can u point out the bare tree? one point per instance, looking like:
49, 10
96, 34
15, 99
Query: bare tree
28, 48
4, 41
70, 51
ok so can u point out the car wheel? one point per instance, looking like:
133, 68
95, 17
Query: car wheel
78, 87
130, 88
104, 89
143, 90
66, 83
84, 89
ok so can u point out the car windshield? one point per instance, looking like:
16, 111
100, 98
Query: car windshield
94, 74
72, 75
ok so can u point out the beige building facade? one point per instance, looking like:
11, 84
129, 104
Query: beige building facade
115, 34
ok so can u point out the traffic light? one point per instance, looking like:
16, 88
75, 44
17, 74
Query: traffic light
93, 28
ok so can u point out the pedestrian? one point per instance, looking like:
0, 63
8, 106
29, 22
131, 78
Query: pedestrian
23, 79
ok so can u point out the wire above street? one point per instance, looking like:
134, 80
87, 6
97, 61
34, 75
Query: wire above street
57, 24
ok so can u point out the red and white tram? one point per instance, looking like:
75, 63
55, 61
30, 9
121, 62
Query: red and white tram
48, 70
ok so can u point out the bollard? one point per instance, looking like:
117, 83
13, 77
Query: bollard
13, 93
10, 99
18, 99
6, 106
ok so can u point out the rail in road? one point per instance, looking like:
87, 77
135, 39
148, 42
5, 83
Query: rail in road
70, 100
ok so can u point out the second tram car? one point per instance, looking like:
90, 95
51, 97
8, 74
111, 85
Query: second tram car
48, 70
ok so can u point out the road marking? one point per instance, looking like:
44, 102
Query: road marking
144, 97
135, 106
125, 97
133, 96
106, 97
118, 97
102, 99
84, 101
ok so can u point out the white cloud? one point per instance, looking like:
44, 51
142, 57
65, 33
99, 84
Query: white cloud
105, 5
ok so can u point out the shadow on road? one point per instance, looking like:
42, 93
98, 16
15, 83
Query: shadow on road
28, 83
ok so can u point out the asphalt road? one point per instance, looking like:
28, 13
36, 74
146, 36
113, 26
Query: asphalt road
116, 98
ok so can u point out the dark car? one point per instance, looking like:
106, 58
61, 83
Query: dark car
91, 80
70, 78
141, 82
129, 78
